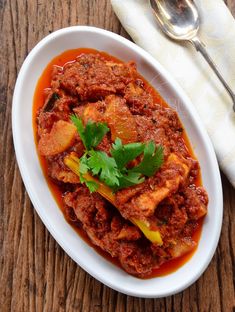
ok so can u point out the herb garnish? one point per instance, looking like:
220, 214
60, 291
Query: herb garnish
92, 134
113, 171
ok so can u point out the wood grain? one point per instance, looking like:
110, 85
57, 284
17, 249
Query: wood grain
35, 273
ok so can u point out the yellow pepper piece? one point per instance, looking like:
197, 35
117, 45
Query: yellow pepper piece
153, 236
72, 162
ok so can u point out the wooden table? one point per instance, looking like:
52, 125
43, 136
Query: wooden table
36, 274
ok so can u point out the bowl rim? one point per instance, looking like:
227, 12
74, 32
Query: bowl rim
186, 102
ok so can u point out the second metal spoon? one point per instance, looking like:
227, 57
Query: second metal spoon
179, 19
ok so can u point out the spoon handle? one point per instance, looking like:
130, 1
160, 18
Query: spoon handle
201, 48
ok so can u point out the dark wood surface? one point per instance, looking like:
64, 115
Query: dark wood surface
35, 273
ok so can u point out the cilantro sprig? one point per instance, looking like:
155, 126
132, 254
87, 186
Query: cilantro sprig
123, 154
152, 160
92, 134
114, 171
104, 167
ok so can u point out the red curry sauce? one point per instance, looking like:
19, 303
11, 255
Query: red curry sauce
39, 100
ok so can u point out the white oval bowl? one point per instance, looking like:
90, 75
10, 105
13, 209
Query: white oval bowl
41, 197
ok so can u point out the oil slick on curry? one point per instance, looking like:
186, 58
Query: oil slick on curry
118, 162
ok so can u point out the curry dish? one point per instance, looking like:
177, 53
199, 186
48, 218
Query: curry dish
119, 160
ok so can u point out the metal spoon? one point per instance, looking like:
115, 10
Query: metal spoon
179, 19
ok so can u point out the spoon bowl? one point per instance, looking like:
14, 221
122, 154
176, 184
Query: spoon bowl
179, 19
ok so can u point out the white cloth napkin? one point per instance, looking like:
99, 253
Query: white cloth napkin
189, 68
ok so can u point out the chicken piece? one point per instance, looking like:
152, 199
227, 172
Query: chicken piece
130, 233
91, 77
103, 226
93, 111
56, 76
124, 72
174, 173
58, 172
64, 176
120, 120
134, 90
91, 210
147, 202
58, 140
196, 201
137, 261
46, 121
137, 97
88, 78
94, 92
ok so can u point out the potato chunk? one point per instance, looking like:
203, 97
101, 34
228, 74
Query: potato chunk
58, 140
182, 246
196, 201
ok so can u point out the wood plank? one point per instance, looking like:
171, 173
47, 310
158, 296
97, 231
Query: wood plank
35, 273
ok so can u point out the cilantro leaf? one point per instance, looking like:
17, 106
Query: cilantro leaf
80, 128
83, 169
92, 134
123, 154
104, 166
129, 179
92, 186
152, 160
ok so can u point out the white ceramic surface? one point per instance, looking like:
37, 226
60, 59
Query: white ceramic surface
41, 197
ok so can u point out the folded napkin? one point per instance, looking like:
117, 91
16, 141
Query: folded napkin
189, 68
